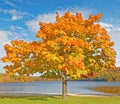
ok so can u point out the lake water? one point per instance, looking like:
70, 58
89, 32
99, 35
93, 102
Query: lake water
53, 87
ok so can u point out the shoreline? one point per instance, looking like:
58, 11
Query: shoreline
54, 94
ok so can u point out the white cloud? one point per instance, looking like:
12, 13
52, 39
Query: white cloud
117, 28
14, 28
15, 15
114, 32
3, 40
107, 26
33, 25
110, 27
115, 36
18, 32
10, 3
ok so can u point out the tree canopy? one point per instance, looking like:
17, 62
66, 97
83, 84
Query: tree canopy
70, 47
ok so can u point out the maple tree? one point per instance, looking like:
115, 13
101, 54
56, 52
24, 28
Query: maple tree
70, 47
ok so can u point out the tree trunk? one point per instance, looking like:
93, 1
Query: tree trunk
64, 88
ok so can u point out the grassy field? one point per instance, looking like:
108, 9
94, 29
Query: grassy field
58, 100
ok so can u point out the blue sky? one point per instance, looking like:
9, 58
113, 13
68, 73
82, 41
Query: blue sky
19, 19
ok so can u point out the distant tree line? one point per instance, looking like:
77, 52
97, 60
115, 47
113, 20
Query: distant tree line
108, 75
22, 78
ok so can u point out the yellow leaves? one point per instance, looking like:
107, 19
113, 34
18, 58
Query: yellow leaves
95, 18
67, 14
71, 41
52, 45
109, 52
76, 62
17, 42
8, 48
75, 42
50, 57
102, 31
41, 35
17, 69
93, 29
111, 43
79, 17
5, 59
34, 47
8, 69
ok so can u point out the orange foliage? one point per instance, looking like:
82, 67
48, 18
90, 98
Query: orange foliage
70, 47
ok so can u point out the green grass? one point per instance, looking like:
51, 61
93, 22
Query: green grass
58, 100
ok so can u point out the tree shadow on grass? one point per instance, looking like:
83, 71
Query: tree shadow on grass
44, 98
